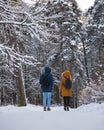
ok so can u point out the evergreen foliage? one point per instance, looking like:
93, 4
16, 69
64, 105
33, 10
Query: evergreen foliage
50, 32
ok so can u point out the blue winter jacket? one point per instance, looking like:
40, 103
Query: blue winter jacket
50, 79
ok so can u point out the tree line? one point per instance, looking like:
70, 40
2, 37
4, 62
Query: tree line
54, 33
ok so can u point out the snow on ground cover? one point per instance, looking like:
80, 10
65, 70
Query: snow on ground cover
31, 117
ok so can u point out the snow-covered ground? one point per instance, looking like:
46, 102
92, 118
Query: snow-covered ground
31, 117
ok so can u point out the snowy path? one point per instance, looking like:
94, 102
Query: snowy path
89, 117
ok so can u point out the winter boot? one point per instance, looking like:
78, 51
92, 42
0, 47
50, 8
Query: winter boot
67, 108
48, 109
44, 108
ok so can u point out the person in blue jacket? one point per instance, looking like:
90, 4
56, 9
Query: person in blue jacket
47, 89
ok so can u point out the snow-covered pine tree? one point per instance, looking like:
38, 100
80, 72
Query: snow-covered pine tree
16, 43
61, 19
95, 40
94, 43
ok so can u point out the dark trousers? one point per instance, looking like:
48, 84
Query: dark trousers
66, 101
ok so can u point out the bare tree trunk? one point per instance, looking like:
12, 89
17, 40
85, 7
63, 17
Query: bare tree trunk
20, 87
19, 76
85, 58
2, 97
61, 50
14, 98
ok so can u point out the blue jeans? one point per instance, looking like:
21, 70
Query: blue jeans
46, 99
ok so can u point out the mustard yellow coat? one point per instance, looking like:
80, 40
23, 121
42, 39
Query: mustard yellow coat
62, 89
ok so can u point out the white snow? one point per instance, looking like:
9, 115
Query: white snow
83, 4
31, 117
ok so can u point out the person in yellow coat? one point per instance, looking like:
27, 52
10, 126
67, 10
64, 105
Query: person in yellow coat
65, 92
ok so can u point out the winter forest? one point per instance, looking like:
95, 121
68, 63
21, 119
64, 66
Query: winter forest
54, 33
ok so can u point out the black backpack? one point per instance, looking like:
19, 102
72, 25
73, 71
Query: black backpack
68, 83
45, 82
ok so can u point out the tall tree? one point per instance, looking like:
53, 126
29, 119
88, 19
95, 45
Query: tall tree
93, 32
61, 20
15, 23
95, 40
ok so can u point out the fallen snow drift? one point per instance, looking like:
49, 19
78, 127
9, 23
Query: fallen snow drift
86, 117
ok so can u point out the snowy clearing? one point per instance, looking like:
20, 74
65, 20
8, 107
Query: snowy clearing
31, 117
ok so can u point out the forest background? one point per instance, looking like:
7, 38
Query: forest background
54, 33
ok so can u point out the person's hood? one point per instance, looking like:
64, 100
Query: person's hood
66, 73
47, 69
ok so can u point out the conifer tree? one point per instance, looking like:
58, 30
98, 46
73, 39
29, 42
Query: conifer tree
95, 40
